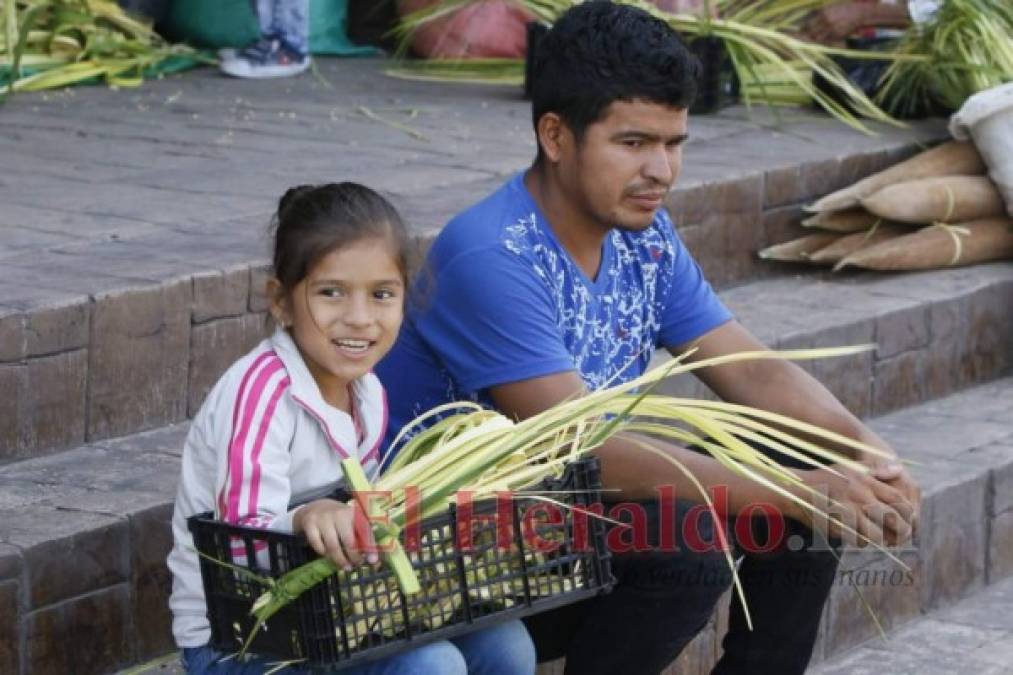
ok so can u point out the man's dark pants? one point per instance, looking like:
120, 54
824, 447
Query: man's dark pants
663, 599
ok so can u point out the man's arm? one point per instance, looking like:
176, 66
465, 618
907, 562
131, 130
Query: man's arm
637, 473
783, 387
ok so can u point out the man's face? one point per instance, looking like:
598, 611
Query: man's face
625, 164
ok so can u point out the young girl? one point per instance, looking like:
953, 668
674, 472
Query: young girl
281, 419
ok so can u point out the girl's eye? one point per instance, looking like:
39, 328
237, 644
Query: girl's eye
331, 292
384, 294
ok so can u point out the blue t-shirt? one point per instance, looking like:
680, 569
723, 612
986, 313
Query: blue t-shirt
500, 300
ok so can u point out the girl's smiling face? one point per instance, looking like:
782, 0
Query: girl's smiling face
345, 315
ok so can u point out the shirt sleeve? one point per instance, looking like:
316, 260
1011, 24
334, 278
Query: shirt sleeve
689, 307
491, 321
256, 489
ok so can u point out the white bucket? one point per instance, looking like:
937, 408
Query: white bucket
987, 119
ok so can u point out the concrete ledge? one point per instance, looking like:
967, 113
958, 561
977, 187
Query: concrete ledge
936, 332
153, 350
82, 564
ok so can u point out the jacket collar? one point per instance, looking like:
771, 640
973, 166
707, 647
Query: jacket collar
336, 424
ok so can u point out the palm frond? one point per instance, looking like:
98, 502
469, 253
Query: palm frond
487, 453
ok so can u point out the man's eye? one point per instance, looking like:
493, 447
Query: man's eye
633, 143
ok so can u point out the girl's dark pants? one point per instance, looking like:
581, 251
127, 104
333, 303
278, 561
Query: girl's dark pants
663, 599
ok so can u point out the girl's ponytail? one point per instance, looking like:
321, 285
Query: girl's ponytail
291, 196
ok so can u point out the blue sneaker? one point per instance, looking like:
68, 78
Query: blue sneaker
267, 57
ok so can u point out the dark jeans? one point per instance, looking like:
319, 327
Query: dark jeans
663, 599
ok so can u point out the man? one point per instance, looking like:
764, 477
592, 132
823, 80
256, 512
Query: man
566, 279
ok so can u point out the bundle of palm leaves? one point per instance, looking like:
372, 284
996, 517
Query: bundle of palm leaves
487, 453
969, 48
772, 64
47, 44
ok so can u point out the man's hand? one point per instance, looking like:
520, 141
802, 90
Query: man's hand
877, 511
338, 531
893, 473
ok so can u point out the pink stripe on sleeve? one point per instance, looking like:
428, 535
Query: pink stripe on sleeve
238, 446
265, 422
239, 401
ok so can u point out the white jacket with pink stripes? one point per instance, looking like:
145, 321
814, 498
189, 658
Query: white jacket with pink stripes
263, 435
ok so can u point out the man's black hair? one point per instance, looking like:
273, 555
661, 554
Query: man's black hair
599, 52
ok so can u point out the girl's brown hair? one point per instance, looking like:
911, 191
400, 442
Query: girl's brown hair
315, 220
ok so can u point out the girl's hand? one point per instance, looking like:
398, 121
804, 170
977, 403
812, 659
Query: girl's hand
338, 531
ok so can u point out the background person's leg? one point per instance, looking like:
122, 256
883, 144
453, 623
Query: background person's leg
283, 47
292, 25
265, 15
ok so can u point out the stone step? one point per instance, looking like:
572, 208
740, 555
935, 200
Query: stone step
973, 636
84, 534
124, 354
132, 235
935, 332
963, 446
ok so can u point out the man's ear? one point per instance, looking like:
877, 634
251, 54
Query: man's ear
553, 135
281, 308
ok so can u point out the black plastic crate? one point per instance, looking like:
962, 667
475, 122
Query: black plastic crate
362, 615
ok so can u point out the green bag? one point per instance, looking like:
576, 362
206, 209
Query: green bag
212, 25
233, 23
328, 34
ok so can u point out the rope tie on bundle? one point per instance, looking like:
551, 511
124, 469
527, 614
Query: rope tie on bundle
955, 231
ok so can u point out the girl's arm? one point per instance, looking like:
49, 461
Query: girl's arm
255, 487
